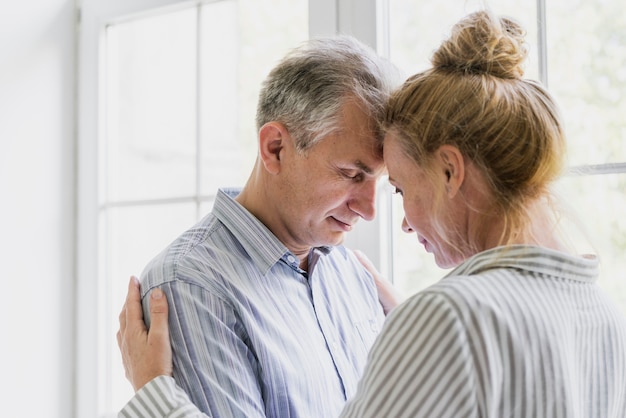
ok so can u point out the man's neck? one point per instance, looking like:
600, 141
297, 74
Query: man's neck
254, 199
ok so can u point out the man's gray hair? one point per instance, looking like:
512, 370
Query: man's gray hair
307, 89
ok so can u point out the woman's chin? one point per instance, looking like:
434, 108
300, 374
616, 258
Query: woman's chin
445, 262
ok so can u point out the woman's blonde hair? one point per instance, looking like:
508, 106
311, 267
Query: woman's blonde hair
475, 99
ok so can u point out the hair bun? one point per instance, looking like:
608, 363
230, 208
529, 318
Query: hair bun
484, 44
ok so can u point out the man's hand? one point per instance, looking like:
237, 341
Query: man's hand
388, 296
146, 354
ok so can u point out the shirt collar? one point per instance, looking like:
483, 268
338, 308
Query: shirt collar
258, 241
536, 259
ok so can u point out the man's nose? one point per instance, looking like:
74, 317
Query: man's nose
364, 200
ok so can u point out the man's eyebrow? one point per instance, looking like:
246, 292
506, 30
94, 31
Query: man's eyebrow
363, 167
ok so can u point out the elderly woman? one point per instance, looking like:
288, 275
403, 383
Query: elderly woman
519, 328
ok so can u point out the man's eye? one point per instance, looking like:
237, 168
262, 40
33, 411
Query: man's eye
353, 175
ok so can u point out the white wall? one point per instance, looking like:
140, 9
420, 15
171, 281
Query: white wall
37, 210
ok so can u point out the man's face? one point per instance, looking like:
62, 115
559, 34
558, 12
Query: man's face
329, 188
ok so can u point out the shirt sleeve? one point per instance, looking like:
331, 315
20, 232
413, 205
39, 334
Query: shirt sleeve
214, 362
161, 397
421, 365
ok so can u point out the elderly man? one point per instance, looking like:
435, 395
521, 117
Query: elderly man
269, 315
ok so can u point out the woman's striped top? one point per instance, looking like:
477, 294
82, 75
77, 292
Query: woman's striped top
512, 332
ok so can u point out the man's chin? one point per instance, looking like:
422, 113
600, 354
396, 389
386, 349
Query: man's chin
334, 239
340, 238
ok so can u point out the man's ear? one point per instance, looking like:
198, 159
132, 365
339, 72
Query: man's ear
272, 141
452, 167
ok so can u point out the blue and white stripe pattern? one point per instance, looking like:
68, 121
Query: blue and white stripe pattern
253, 335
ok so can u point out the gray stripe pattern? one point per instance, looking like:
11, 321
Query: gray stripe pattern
512, 332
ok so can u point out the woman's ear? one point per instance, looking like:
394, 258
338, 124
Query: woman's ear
272, 137
452, 167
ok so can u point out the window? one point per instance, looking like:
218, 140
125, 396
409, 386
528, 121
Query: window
167, 99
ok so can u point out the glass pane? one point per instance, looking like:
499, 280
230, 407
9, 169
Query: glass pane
222, 151
599, 225
150, 107
587, 74
134, 235
416, 28
253, 35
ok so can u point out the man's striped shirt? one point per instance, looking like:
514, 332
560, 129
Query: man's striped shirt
253, 335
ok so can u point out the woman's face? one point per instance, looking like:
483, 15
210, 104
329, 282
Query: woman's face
418, 193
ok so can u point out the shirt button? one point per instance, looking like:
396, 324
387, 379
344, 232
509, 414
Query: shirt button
291, 259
